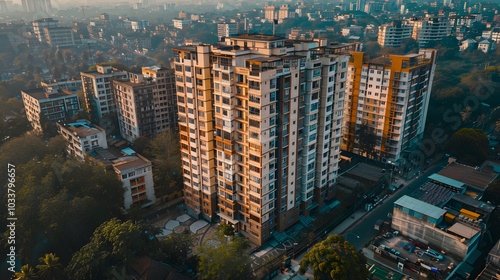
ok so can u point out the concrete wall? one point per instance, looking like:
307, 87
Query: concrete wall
425, 232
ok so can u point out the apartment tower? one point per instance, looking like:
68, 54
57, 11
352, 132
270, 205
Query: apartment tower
387, 103
392, 34
260, 122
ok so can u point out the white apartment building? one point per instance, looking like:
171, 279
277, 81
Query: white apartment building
82, 137
56, 105
426, 30
99, 94
392, 34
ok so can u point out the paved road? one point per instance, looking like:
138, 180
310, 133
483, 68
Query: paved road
365, 227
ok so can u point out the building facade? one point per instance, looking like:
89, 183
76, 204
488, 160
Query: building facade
260, 126
392, 34
387, 103
82, 137
48, 31
97, 88
146, 103
426, 30
227, 30
56, 105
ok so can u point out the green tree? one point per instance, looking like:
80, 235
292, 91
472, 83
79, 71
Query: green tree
225, 260
114, 242
469, 146
227, 229
492, 193
336, 259
176, 247
51, 268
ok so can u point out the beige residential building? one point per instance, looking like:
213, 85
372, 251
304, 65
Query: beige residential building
260, 127
56, 105
427, 30
387, 103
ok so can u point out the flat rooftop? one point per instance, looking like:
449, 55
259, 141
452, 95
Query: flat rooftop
259, 37
82, 128
420, 207
447, 181
481, 205
127, 162
468, 175
433, 194
366, 171
40, 94
463, 230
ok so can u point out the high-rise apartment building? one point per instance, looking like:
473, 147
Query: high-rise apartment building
392, 34
164, 97
387, 102
144, 103
97, 88
32, 6
426, 30
260, 122
227, 30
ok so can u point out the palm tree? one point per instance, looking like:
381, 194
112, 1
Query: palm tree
27, 273
466, 114
50, 269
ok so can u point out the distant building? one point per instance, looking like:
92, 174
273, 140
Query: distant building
99, 94
48, 31
227, 30
270, 13
426, 30
352, 30
82, 137
181, 23
32, 6
392, 34
135, 25
468, 44
486, 45
104, 16
389, 98
56, 105
493, 34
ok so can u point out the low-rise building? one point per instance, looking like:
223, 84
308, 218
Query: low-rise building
82, 137
486, 46
181, 23
56, 105
133, 170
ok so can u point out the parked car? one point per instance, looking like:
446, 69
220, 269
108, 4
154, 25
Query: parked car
433, 254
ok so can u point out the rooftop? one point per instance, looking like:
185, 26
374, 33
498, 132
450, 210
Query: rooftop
433, 194
420, 207
463, 230
259, 37
468, 175
127, 162
447, 181
82, 128
40, 94
465, 199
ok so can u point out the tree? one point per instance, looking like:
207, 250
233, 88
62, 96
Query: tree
175, 248
227, 229
469, 146
114, 242
465, 114
226, 260
140, 61
51, 268
27, 273
336, 259
492, 193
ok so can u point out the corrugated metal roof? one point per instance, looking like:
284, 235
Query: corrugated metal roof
420, 207
445, 180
